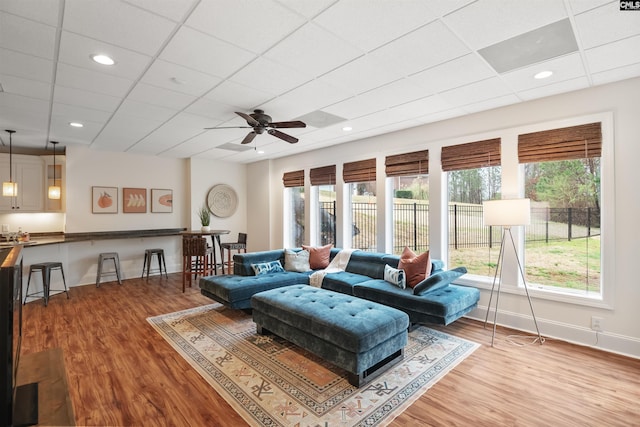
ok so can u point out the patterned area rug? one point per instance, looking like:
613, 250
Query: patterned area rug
271, 382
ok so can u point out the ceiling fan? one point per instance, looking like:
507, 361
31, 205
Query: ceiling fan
260, 122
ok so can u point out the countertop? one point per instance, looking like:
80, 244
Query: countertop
40, 239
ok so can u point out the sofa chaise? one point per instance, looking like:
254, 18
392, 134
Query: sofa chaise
363, 277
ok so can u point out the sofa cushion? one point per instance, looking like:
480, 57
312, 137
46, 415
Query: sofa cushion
370, 263
416, 267
296, 261
267, 267
318, 256
438, 280
242, 262
343, 281
395, 276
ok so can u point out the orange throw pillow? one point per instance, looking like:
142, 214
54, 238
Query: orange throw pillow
318, 256
416, 267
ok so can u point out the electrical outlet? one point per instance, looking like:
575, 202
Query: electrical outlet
596, 323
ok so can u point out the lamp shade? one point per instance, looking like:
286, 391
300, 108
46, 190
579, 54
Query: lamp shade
9, 189
506, 212
54, 192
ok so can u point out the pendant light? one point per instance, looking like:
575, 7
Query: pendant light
54, 190
10, 188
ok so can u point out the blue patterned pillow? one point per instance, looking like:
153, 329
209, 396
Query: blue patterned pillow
395, 276
267, 267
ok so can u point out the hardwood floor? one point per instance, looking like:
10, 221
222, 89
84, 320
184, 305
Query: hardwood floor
121, 372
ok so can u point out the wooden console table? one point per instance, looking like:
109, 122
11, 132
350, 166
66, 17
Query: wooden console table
47, 369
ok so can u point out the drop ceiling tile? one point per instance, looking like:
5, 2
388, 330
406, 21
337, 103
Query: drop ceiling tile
170, 9
476, 92
85, 99
71, 113
215, 111
159, 96
554, 89
251, 25
61, 131
444, 7
76, 50
24, 87
443, 115
46, 12
418, 108
489, 104
268, 75
235, 94
606, 24
362, 74
136, 29
622, 73
486, 22
22, 113
146, 111
313, 51
174, 132
579, 6
123, 131
614, 55
92, 81
25, 66
205, 53
451, 74
377, 23
567, 67
308, 9
424, 48
27, 36
179, 78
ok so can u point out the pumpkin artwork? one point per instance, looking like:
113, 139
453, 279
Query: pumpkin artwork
105, 200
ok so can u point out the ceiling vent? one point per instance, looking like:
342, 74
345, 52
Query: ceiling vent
320, 119
234, 147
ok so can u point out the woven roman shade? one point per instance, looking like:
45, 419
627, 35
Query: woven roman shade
325, 175
416, 163
471, 155
293, 179
361, 171
570, 143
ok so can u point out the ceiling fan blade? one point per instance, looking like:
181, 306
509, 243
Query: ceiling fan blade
292, 124
247, 139
253, 122
231, 127
290, 139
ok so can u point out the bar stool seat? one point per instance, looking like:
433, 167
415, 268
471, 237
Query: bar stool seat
45, 268
148, 255
240, 245
105, 256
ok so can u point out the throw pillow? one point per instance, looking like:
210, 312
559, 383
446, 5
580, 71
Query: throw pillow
416, 267
296, 261
267, 267
318, 256
395, 276
438, 280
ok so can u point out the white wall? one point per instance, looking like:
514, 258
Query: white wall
564, 320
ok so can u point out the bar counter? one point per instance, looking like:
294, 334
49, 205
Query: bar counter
40, 239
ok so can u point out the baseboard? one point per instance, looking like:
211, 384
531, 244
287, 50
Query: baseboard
606, 341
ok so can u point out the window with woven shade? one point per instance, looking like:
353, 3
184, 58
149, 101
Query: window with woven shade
563, 180
360, 171
324, 179
293, 179
325, 175
409, 175
361, 177
471, 155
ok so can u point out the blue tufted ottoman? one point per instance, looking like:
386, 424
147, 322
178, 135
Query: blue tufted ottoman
360, 336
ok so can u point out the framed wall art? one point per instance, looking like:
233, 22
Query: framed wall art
134, 200
104, 199
161, 200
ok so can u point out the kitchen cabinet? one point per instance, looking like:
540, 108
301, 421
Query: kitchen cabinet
28, 172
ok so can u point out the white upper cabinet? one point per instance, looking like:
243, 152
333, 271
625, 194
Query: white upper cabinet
28, 173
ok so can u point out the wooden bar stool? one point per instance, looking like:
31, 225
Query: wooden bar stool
105, 256
45, 268
240, 245
148, 255
197, 259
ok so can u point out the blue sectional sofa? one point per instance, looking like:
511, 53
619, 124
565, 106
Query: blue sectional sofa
363, 277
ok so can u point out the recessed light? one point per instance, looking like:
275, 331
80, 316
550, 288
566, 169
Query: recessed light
260, 152
347, 128
76, 124
543, 75
103, 59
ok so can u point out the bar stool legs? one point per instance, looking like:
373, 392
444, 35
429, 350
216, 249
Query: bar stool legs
45, 268
116, 262
148, 255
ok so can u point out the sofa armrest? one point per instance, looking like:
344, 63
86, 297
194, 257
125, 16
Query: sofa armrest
242, 262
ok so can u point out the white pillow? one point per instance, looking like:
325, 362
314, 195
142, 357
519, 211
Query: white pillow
296, 261
395, 276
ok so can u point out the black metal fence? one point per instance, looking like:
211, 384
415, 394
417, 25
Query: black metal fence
466, 230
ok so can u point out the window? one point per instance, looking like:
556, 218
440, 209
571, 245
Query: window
473, 175
562, 179
409, 174
294, 222
361, 178
324, 179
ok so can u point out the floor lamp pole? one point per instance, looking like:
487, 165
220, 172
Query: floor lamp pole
507, 229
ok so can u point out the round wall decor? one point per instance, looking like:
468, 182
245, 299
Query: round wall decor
222, 200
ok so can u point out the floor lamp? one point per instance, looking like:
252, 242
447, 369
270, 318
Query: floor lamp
507, 213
